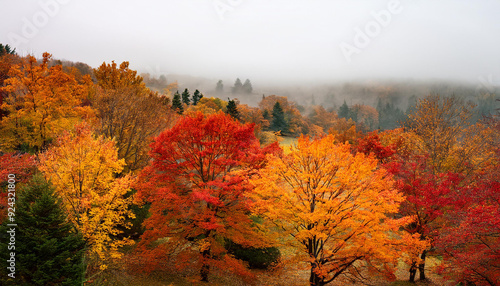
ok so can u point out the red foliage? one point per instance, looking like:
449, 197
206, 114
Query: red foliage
426, 193
471, 239
428, 196
22, 166
370, 144
196, 185
461, 216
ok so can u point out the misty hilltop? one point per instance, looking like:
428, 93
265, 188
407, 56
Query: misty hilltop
269, 42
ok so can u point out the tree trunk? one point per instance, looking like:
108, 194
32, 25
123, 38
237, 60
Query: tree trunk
421, 266
205, 267
413, 272
314, 279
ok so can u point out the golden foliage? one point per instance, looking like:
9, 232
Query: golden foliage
82, 169
441, 131
334, 206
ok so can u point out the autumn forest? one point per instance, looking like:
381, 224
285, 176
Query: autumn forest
110, 177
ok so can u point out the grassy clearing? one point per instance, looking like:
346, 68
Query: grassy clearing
287, 141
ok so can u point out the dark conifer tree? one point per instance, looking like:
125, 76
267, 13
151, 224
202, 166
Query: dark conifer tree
185, 97
238, 86
232, 109
197, 95
278, 122
390, 117
177, 104
219, 88
353, 113
344, 111
6, 50
48, 250
247, 87
266, 115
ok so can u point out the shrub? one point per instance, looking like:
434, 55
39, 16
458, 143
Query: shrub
260, 258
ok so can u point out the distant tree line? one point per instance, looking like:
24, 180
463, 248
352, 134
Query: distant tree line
238, 88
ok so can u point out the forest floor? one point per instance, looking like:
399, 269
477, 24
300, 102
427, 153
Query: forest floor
287, 276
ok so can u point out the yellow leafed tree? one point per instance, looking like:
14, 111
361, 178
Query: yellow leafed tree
83, 168
334, 206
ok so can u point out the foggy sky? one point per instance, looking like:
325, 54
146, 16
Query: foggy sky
285, 41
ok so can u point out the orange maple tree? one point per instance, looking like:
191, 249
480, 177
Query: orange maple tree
7, 61
196, 185
335, 206
42, 101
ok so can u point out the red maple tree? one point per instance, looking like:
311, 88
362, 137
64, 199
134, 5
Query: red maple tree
470, 241
196, 185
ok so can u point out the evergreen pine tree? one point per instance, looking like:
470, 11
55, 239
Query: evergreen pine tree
278, 122
390, 117
185, 97
176, 103
48, 251
266, 115
238, 86
197, 95
247, 87
232, 109
380, 106
6, 50
344, 111
381, 114
353, 113
219, 88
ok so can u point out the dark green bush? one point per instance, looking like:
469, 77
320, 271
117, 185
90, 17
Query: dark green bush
260, 258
